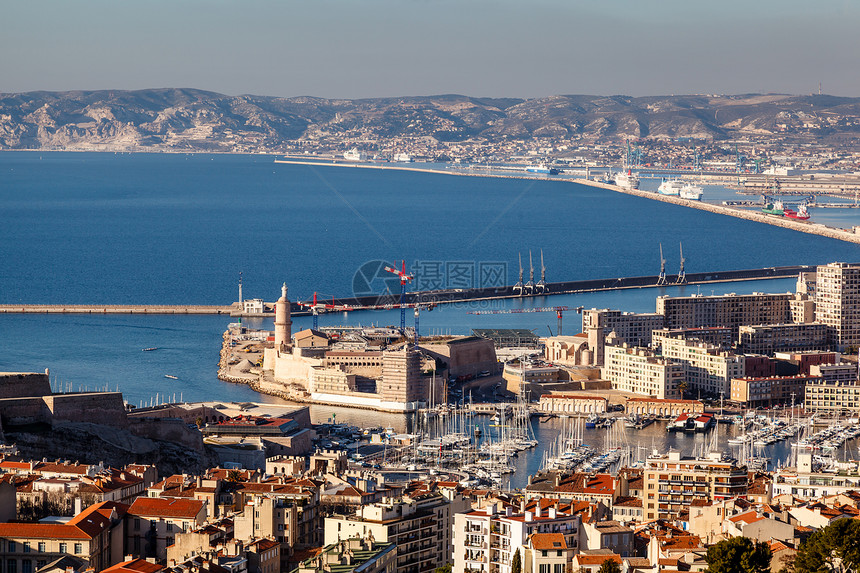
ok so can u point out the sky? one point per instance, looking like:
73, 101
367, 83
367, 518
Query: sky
481, 48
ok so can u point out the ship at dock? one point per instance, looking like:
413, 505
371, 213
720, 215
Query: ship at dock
691, 192
542, 169
628, 180
670, 187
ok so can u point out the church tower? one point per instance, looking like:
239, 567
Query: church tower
283, 323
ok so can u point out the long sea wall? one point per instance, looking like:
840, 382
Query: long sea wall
758, 217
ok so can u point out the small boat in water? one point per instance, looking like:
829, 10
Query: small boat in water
171, 377
150, 349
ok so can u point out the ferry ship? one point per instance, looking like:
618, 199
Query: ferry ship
543, 168
355, 155
670, 187
691, 192
402, 158
627, 180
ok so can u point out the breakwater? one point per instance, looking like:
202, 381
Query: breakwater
793, 224
448, 296
116, 309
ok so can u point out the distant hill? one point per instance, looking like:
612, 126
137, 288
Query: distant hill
195, 120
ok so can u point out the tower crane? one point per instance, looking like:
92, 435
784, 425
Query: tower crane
558, 310
404, 278
418, 309
317, 308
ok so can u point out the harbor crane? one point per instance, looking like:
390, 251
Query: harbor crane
682, 275
541, 287
518, 288
418, 308
530, 286
558, 310
661, 280
404, 278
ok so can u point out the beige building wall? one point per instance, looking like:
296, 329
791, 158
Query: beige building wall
640, 371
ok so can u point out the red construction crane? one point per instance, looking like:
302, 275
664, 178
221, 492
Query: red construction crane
558, 310
404, 278
317, 308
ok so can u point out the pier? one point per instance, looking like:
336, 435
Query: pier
449, 296
847, 235
116, 309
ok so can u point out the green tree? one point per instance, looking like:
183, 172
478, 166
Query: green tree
444, 569
609, 566
835, 549
517, 563
738, 555
682, 387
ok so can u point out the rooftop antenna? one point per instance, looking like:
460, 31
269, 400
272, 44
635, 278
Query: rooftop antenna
541, 285
240, 288
530, 286
519, 286
661, 280
682, 275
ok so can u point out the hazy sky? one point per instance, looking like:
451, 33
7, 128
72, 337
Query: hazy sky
369, 48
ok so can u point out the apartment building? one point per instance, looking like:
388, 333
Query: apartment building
730, 310
751, 392
672, 482
771, 338
153, 523
707, 369
486, 540
94, 536
832, 396
641, 371
837, 303
626, 327
420, 527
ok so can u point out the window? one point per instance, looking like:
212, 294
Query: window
79, 548
169, 527
558, 567
544, 568
26, 566
26, 548
63, 547
41, 547
12, 564
137, 524
12, 549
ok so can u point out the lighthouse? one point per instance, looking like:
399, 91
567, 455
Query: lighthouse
283, 324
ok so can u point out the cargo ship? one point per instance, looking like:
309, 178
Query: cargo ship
801, 214
774, 208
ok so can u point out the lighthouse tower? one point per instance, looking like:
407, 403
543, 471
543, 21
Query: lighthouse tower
283, 324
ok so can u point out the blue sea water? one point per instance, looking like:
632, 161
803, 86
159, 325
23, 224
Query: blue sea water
163, 228
159, 228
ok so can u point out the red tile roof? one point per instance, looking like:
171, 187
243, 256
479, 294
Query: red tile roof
134, 566
166, 507
547, 541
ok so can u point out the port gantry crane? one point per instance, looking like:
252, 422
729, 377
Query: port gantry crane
661, 280
682, 275
541, 287
404, 278
530, 286
518, 288
558, 310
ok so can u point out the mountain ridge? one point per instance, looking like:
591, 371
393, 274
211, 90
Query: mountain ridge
189, 119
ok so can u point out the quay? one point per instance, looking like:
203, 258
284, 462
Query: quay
116, 309
448, 296
803, 226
